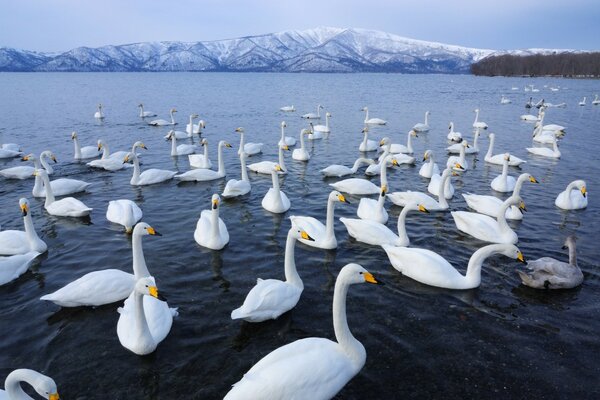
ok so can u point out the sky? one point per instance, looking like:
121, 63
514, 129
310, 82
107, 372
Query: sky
60, 25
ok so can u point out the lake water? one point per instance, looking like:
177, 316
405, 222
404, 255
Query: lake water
502, 340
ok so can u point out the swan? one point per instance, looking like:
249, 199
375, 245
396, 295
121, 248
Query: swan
164, 122
478, 124
99, 114
149, 176
596, 101
10, 147
504, 183
60, 186
434, 183
313, 115
22, 242
342, 170
312, 135
182, 149
453, 136
144, 114
390, 160
456, 147
83, 153
430, 168
286, 140
505, 100
373, 210
310, 368
6, 153
288, 108
529, 118
234, 187
574, 197
582, 102
190, 127
179, 135
404, 198
85, 291
25, 171
549, 273
12, 267
377, 234
211, 232
270, 298
323, 235
546, 152
266, 167
453, 160
112, 161
486, 228
275, 200
323, 128
200, 160
529, 104
547, 136
249, 148
430, 268
124, 212
490, 205
356, 186
301, 154
133, 328
422, 127
207, 174
498, 159
400, 148
43, 385
65, 207
372, 121
367, 144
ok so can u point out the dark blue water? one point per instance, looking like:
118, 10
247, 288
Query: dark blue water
501, 340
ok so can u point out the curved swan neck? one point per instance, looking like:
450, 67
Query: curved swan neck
44, 162
214, 220
141, 324
77, 147
206, 153
244, 170
365, 138
401, 227
291, 273
491, 146
136, 169
357, 165
501, 216
522, 178
329, 232
426, 117
221, 170
12, 384
572, 253
473, 274
32, 236
140, 270
442, 188
49, 194
351, 346
173, 144
281, 159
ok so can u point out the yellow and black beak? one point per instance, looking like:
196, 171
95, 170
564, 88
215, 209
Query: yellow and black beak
306, 236
239, 129
383, 190
285, 147
583, 191
154, 293
369, 278
215, 204
126, 159
459, 167
522, 206
425, 157
381, 142
423, 209
227, 145
520, 258
342, 198
394, 162
53, 396
152, 231
533, 180
24, 209
99, 147
26, 158
143, 146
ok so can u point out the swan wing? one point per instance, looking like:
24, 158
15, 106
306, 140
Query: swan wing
14, 242
336, 170
153, 175
404, 198
370, 232
14, 266
268, 299
356, 186
479, 226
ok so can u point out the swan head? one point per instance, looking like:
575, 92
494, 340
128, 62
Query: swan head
458, 167
204, 142
24, 206
283, 124
465, 144
128, 158
422, 208
50, 155
73, 135
170, 134
427, 155
29, 157
215, 200
337, 196
413, 133
506, 157
384, 190
239, 129
194, 115
147, 287
173, 110
224, 143
476, 110
365, 130
305, 131
569, 242
580, 184
328, 114
141, 145
355, 273
285, 147
277, 168
202, 123
364, 109
513, 252
143, 229
299, 233
43, 385
40, 172
140, 105
100, 144
384, 141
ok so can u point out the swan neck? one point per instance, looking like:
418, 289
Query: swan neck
326, 121
329, 232
12, 384
32, 236
426, 118
206, 153
302, 140
281, 159
173, 144
409, 143
504, 170
172, 118
473, 274
365, 138
77, 147
141, 324
356, 165
402, 225
383, 172
519, 185
214, 220
476, 116
140, 270
491, 147
572, 254
244, 170
242, 142
501, 217
351, 346
442, 190
136, 170
221, 170
291, 273
49, 195
44, 162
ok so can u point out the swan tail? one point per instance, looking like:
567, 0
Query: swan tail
120, 310
237, 314
526, 279
174, 311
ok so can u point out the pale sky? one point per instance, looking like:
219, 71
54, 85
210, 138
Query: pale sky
60, 25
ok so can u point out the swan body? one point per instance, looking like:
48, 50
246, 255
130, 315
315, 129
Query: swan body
454, 160
65, 207
144, 114
498, 159
288, 108
373, 210
249, 148
10, 148
582, 102
574, 197
400, 148
149, 176
234, 187
430, 168
356, 186
404, 198
111, 161
275, 200
43, 385
14, 242
124, 212
367, 144
505, 100
314, 135
12, 267
99, 114
164, 122
200, 175
323, 235
596, 101
342, 170
486, 228
310, 368
271, 297
323, 128
7, 153
546, 152
61, 187
25, 171
434, 186
286, 140
313, 115
301, 154
372, 121
266, 167
529, 118
477, 123
191, 128
182, 149
211, 232
504, 183
200, 160
83, 153
422, 127
455, 148
453, 135
549, 273
430, 268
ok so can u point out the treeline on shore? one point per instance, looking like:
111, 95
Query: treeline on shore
558, 64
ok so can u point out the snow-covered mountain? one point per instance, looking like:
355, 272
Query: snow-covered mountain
314, 50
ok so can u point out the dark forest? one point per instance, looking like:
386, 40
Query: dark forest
561, 64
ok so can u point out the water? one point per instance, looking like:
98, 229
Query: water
501, 340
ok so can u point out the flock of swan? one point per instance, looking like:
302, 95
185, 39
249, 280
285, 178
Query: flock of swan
315, 368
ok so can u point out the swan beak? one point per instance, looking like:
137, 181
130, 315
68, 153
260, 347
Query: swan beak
53, 396
533, 180
53, 158
239, 129
381, 142
26, 158
278, 168
152, 231
154, 293
306, 236
215, 204
24, 209
143, 146
343, 199
414, 133
583, 191
520, 258
99, 147
394, 162
423, 209
365, 129
285, 148
522, 206
35, 173
369, 278
126, 160
459, 167
227, 145
425, 157
383, 190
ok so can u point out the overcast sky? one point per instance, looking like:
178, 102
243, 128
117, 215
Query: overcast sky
58, 25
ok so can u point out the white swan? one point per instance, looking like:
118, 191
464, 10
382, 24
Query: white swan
119, 284
596, 101
7, 153
455, 148
270, 298
430, 268
249, 148
149, 176
310, 368
182, 149
313, 115
197, 128
43, 385
391, 160
266, 167
356, 186
9, 147
430, 168
400, 148
301, 154
505, 100
504, 183
377, 234
373, 210
124, 212
582, 102
207, 174
179, 135
234, 187
372, 121
367, 144
404, 198
323, 235
486, 228
477, 123
26, 171
83, 153
549, 273
314, 135
65, 207
275, 200
99, 114
112, 161
286, 140
342, 170
323, 128
422, 127
164, 122
288, 108
190, 127
211, 232
434, 183
452, 134
60, 186
546, 152
453, 160
529, 118
490, 205
574, 197
144, 114
11, 267
200, 160
14, 242
498, 159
